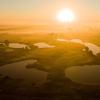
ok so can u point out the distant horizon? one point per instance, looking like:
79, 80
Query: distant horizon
47, 29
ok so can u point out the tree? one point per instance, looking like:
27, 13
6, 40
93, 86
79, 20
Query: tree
6, 42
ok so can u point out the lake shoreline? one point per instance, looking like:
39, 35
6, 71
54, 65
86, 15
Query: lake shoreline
1, 65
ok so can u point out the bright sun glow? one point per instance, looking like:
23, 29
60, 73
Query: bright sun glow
65, 16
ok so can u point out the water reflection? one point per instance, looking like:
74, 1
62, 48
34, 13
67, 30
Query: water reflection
88, 74
92, 47
43, 45
18, 70
18, 45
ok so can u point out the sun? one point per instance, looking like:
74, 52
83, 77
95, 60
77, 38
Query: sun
66, 16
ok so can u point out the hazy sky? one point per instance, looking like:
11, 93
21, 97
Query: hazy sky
44, 11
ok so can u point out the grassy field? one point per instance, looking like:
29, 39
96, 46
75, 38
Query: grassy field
53, 60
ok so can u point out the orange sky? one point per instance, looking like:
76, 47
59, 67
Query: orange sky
43, 12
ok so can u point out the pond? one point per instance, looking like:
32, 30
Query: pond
87, 74
18, 45
43, 45
92, 47
18, 70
